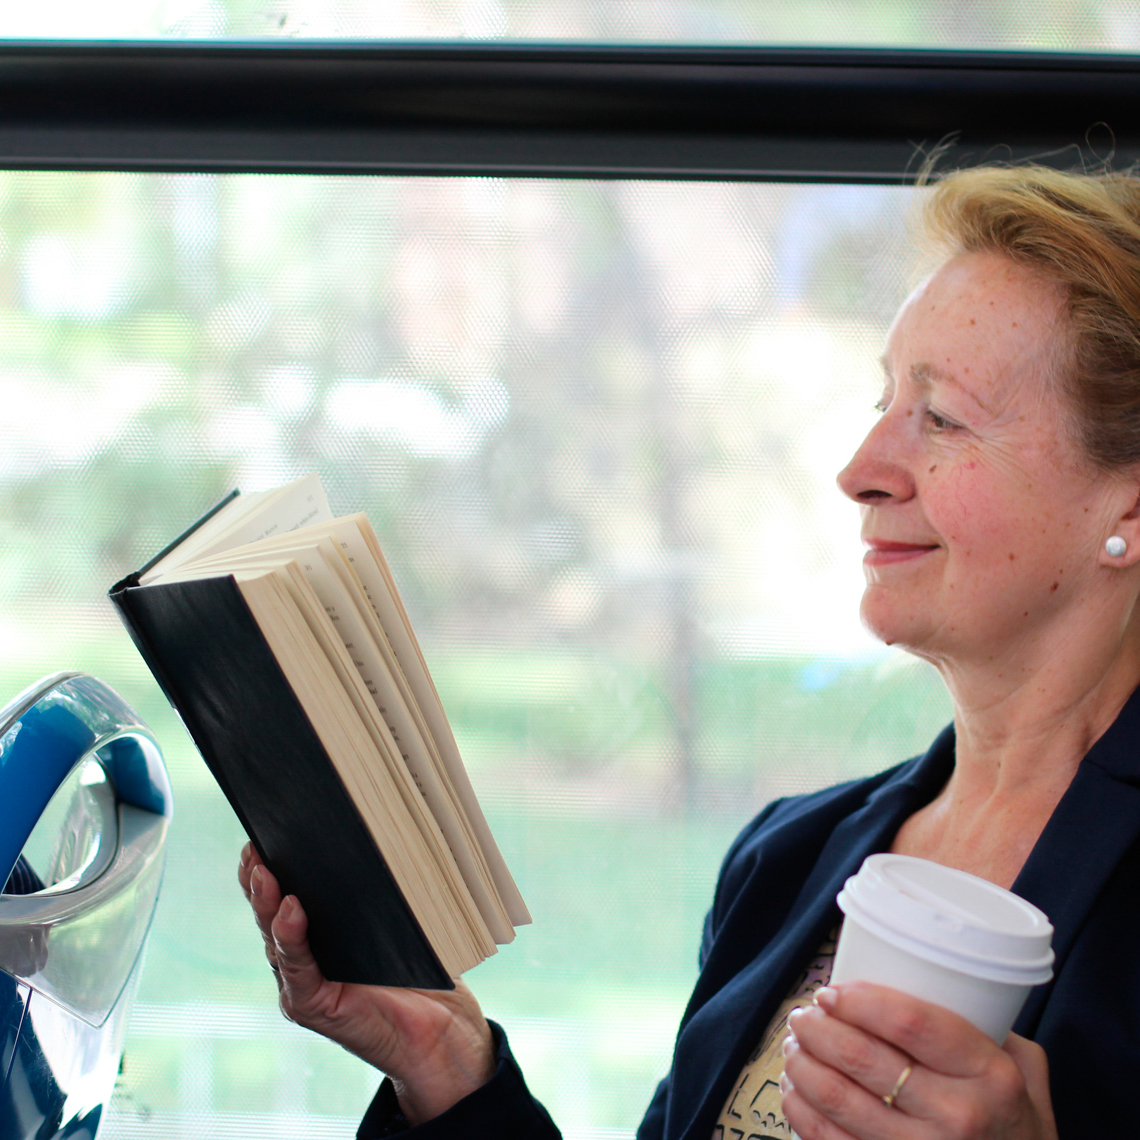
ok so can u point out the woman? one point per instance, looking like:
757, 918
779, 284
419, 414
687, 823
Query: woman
1000, 496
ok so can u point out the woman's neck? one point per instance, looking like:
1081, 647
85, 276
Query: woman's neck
1022, 724
1020, 737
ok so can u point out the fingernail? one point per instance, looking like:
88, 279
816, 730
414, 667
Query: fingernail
826, 998
246, 854
288, 909
789, 1041
255, 880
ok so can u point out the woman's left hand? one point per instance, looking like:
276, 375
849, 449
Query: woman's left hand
847, 1053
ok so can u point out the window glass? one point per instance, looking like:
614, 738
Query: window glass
1090, 25
596, 425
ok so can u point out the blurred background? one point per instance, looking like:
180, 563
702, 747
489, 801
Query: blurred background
596, 425
1067, 25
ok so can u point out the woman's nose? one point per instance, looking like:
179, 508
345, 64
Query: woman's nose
878, 470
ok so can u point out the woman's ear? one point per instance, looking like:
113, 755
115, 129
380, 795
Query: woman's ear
1121, 555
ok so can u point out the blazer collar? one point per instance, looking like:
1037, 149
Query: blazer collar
714, 1044
1095, 823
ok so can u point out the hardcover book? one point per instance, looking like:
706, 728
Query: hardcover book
277, 633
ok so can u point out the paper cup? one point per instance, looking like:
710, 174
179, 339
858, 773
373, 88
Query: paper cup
944, 936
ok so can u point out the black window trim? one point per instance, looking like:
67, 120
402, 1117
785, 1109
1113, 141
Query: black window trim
555, 110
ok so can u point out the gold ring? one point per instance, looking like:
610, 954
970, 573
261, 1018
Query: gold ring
892, 1096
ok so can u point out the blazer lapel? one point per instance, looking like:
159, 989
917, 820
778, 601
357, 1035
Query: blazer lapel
1095, 823
714, 1044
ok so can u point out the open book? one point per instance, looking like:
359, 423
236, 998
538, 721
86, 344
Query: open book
278, 634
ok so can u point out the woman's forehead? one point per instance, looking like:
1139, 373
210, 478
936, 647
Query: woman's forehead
987, 287
978, 317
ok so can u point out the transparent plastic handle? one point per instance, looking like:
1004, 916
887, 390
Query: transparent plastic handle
79, 946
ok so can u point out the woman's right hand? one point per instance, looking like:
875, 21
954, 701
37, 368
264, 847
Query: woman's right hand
434, 1044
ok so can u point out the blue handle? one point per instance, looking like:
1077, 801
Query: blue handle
52, 726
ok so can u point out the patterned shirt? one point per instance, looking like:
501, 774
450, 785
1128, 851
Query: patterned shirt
753, 1110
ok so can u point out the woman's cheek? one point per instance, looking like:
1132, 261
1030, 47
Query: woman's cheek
972, 511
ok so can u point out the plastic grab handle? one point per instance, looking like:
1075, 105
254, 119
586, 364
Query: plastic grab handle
80, 946
47, 730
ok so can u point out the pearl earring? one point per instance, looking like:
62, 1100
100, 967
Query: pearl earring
1116, 546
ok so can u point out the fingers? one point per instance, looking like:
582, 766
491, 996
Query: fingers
264, 898
284, 927
933, 1036
870, 1062
261, 889
248, 859
818, 1093
806, 1121
263, 893
298, 974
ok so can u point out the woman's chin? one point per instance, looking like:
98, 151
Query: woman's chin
909, 631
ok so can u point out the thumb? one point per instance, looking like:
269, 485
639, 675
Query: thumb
1030, 1058
301, 977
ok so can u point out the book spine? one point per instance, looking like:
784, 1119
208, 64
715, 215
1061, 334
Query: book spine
120, 595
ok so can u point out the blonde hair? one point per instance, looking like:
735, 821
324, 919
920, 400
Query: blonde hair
1081, 231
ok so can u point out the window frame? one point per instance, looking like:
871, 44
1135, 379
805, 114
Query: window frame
512, 109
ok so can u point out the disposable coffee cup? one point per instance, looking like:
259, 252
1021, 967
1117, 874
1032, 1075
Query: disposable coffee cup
944, 936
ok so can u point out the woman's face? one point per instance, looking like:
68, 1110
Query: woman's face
983, 521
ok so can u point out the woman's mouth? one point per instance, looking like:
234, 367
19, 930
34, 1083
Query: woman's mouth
883, 553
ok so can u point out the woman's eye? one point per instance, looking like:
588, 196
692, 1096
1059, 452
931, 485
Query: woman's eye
940, 423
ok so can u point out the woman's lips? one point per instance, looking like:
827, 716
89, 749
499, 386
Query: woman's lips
883, 553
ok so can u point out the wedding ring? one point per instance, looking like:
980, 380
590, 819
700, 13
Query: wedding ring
889, 1099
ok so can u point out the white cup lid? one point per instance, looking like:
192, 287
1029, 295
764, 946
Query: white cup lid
951, 918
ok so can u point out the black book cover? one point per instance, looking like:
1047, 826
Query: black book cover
206, 651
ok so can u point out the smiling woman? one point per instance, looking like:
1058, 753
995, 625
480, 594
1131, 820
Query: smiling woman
971, 471
1000, 494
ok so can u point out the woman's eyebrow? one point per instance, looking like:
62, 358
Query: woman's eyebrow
924, 375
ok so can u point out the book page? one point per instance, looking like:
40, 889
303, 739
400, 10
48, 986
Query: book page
273, 598
431, 773
336, 585
326, 628
250, 518
362, 548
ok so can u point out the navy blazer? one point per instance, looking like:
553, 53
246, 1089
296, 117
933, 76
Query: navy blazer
775, 903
